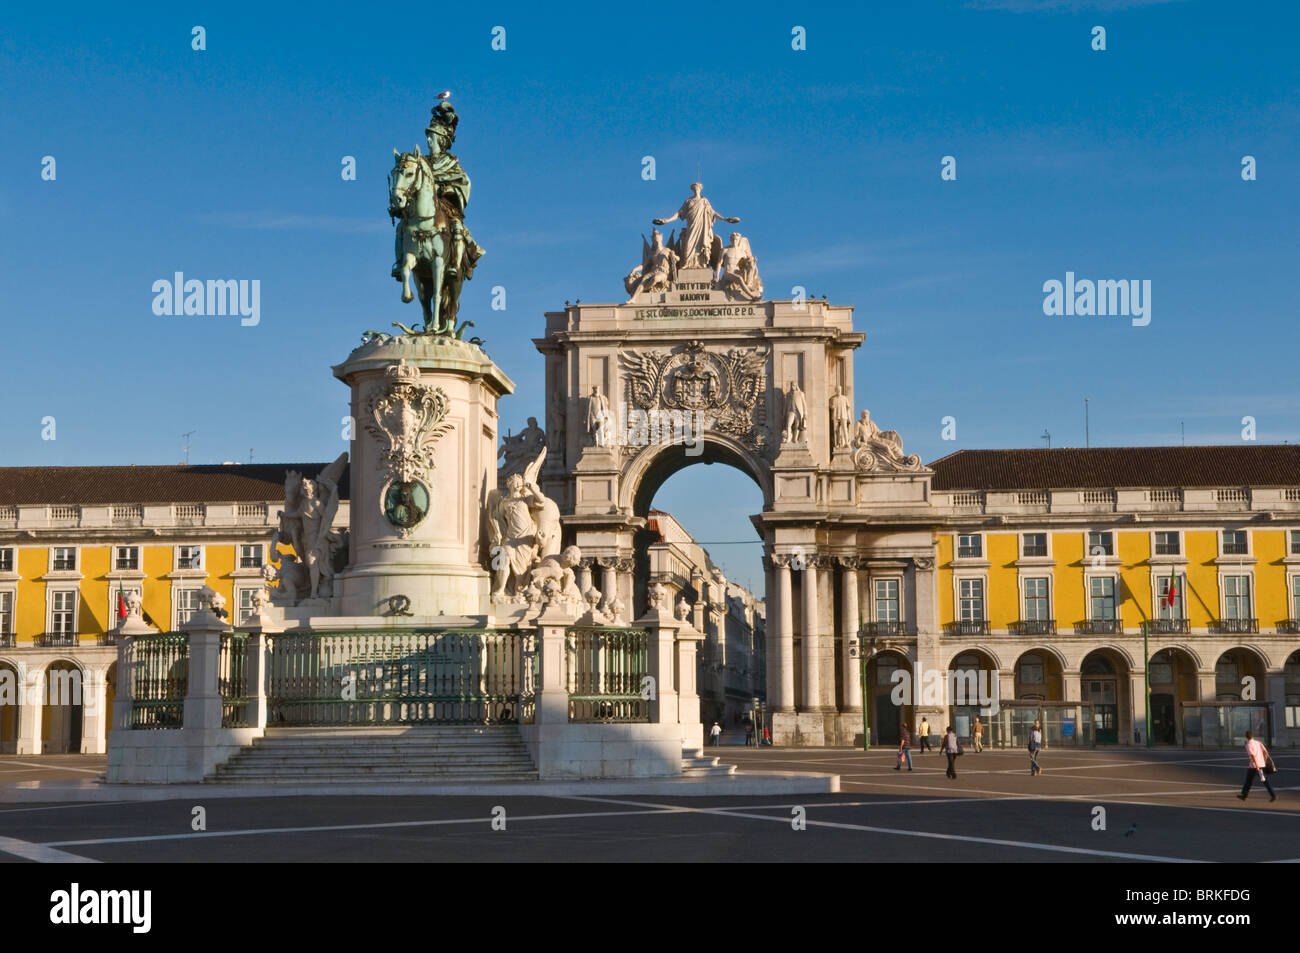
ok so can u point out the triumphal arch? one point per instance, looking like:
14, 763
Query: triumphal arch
699, 365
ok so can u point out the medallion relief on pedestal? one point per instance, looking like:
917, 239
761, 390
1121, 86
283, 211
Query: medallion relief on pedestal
407, 417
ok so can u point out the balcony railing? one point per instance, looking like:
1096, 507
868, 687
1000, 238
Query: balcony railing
884, 628
1168, 626
1034, 627
969, 627
1099, 627
7, 640
1238, 625
56, 639
1289, 627
107, 638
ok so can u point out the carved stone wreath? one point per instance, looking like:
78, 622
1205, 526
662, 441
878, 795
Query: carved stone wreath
728, 389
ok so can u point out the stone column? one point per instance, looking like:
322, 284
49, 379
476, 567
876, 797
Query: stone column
780, 663
623, 570
584, 575
93, 712
688, 698
1206, 689
124, 699
1276, 682
202, 696
811, 640
258, 630
551, 704
826, 632
849, 622
661, 628
30, 711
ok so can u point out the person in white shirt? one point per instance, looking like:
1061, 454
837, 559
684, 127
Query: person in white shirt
1035, 745
1257, 756
951, 748
715, 732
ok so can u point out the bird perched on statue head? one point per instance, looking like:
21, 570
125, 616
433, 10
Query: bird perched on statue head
445, 94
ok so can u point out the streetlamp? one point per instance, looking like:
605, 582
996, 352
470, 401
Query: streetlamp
863, 657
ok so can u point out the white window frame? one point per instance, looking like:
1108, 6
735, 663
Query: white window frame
12, 593
51, 593
239, 556
983, 580
203, 558
139, 558
1293, 542
1250, 544
1293, 595
1025, 577
1236, 573
240, 593
76, 557
177, 622
896, 580
1088, 554
1047, 536
1169, 571
1182, 545
13, 559
956, 545
1114, 577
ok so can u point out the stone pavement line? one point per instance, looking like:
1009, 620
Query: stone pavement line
53, 767
929, 835
250, 832
58, 807
41, 853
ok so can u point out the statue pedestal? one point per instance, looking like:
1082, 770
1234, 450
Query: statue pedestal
424, 452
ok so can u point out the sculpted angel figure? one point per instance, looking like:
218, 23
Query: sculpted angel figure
695, 244
658, 269
523, 529
736, 269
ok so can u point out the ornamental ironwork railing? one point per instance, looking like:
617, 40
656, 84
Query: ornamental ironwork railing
1034, 627
438, 676
609, 674
968, 627
233, 670
1168, 626
159, 667
1289, 627
884, 628
1099, 627
1237, 625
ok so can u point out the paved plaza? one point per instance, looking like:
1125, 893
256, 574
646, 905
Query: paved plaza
1161, 806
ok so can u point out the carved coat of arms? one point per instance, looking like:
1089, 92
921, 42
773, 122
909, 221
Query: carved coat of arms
728, 388
407, 418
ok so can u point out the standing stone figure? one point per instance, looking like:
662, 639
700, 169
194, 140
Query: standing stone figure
796, 415
841, 419
598, 422
523, 529
695, 244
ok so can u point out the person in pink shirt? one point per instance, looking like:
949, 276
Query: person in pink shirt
1259, 760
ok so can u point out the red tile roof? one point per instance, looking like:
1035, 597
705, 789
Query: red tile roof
1075, 467
232, 483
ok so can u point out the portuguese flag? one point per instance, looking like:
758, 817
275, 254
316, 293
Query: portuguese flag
121, 602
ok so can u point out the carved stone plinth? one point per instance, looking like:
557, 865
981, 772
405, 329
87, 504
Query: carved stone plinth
423, 453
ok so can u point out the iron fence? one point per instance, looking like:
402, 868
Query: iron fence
233, 670
159, 667
608, 677
437, 676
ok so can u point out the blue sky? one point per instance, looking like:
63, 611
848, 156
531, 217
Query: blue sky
225, 164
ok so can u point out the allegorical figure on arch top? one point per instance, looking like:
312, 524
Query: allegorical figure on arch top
695, 245
658, 268
429, 193
736, 269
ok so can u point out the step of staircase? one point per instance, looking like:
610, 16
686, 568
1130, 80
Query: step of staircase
449, 753
696, 764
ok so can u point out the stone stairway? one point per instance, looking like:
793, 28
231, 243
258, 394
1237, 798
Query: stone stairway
416, 754
696, 764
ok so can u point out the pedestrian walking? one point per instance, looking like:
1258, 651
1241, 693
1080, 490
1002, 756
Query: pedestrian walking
749, 733
952, 748
1035, 745
977, 734
1260, 765
767, 736
904, 749
715, 733
923, 735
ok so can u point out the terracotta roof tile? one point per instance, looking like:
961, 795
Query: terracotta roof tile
233, 483
1075, 467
